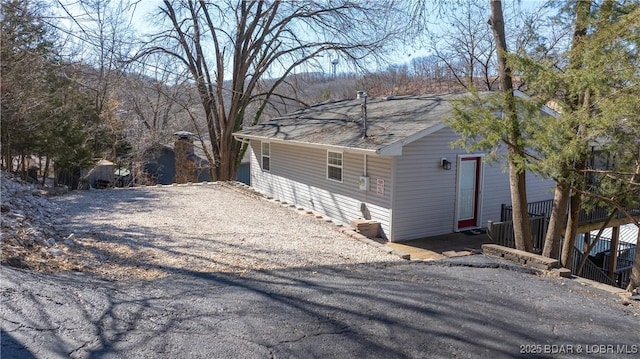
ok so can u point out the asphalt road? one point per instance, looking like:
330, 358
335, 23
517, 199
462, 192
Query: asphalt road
472, 307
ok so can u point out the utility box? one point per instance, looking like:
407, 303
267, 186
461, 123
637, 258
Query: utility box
363, 183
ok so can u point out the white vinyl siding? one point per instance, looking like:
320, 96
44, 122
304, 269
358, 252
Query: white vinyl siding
425, 194
266, 156
334, 166
410, 195
298, 175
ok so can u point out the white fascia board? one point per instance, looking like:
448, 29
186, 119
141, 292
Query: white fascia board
241, 137
395, 149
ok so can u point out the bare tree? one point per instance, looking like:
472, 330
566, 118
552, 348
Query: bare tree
155, 95
232, 47
466, 47
105, 33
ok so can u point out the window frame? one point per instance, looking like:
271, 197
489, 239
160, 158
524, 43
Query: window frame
263, 156
332, 165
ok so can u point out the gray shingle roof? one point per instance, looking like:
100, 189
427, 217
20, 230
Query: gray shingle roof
391, 123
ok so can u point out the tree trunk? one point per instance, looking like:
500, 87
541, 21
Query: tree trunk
228, 153
582, 11
45, 172
556, 221
520, 211
566, 259
634, 281
521, 223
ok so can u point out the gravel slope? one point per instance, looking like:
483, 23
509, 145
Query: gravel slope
244, 277
150, 232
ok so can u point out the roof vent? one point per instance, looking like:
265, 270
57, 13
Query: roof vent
362, 95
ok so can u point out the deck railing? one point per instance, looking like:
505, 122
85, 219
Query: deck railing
590, 270
502, 232
596, 268
539, 208
544, 208
625, 250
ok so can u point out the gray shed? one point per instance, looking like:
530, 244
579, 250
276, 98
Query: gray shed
102, 175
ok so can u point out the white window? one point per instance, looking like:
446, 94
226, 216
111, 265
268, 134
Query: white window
334, 166
266, 156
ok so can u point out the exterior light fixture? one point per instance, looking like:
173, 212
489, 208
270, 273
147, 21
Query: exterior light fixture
446, 165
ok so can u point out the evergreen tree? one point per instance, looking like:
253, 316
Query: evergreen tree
24, 47
597, 98
595, 88
44, 112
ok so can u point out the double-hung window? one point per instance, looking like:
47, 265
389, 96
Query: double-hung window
334, 166
266, 156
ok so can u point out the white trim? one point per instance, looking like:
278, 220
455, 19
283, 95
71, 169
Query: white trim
480, 190
334, 148
341, 166
392, 198
395, 149
262, 156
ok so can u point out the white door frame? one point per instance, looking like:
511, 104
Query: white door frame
479, 189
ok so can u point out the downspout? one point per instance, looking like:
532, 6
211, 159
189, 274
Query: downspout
365, 165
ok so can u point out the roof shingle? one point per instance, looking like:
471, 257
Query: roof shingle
390, 121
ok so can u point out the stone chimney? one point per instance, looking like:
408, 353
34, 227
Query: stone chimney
184, 158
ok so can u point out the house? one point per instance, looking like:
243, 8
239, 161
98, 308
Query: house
384, 159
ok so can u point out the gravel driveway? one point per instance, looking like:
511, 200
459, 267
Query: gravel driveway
206, 272
153, 231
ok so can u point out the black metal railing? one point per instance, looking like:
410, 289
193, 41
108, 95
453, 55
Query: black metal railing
502, 232
625, 250
544, 208
595, 267
590, 270
539, 208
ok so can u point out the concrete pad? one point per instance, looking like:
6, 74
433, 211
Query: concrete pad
415, 253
